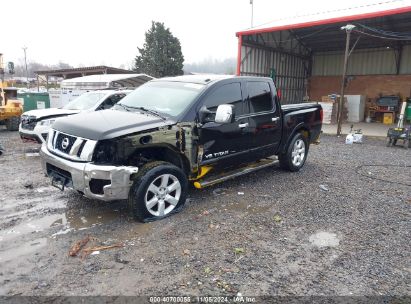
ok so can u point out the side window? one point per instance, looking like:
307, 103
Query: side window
226, 94
116, 98
111, 101
260, 96
106, 104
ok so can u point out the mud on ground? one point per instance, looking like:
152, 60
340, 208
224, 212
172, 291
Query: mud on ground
341, 226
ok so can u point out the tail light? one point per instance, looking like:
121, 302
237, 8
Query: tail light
279, 94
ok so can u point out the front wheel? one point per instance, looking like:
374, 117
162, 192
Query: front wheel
159, 190
294, 157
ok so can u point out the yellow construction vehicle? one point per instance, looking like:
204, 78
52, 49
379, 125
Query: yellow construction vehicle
10, 107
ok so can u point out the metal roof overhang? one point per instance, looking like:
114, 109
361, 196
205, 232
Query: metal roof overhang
103, 81
77, 72
326, 34
302, 36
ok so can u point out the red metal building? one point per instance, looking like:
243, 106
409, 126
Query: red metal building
304, 54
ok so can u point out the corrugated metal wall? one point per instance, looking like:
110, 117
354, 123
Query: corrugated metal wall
260, 54
290, 73
362, 62
405, 67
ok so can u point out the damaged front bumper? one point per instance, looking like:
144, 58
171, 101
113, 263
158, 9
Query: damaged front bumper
101, 182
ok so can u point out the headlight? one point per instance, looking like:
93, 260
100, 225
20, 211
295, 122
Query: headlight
104, 152
47, 122
50, 138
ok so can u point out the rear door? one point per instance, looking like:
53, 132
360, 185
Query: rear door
229, 142
264, 118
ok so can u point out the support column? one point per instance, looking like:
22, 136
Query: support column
348, 29
240, 42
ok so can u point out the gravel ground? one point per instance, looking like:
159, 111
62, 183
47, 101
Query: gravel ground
341, 226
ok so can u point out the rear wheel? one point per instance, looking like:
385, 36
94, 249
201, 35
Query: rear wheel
12, 124
160, 189
294, 157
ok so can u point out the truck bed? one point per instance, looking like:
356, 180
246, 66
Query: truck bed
301, 114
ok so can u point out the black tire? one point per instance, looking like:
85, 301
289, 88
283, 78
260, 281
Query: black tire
286, 159
150, 174
12, 124
394, 142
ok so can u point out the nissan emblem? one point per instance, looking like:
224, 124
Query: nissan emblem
65, 143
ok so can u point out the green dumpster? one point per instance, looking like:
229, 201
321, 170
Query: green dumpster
34, 100
408, 110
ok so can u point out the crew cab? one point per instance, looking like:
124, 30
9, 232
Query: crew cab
35, 124
174, 131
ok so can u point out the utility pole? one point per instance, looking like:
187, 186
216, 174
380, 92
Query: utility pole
348, 28
25, 61
252, 12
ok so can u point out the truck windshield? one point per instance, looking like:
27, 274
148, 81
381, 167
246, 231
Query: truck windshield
166, 97
84, 101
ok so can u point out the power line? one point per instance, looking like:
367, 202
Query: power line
386, 33
382, 37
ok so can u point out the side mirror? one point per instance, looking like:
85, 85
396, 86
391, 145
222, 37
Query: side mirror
224, 114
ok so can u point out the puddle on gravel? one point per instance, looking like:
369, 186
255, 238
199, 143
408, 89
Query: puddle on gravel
96, 217
25, 249
32, 226
137, 230
324, 239
70, 220
31, 206
89, 217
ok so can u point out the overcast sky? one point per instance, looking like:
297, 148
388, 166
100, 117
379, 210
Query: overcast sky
86, 32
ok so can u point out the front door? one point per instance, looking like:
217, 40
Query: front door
228, 143
264, 119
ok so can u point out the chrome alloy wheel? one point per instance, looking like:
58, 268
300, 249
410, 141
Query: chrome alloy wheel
297, 156
162, 195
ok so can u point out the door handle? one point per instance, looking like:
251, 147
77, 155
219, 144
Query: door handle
243, 125
275, 119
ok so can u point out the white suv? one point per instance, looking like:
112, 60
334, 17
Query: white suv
35, 124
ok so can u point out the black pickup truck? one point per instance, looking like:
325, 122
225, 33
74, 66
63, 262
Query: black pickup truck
172, 131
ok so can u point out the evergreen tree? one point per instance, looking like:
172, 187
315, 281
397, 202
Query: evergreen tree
161, 53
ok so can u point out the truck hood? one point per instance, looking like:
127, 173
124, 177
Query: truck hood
49, 113
108, 124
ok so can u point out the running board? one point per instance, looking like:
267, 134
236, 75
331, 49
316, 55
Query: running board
212, 180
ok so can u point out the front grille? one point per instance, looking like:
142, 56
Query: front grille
64, 142
28, 122
69, 146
